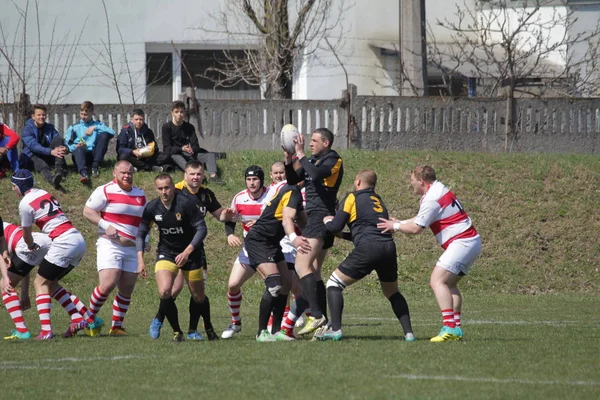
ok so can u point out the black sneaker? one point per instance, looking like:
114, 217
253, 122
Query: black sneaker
84, 178
158, 169
95, 173
211, 334
56, 180
177, 337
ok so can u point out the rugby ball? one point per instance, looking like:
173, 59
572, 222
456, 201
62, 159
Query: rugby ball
288, 134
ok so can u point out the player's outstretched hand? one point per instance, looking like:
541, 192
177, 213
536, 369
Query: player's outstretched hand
227, 215
233, 241
385, 225
299, 145
301, 244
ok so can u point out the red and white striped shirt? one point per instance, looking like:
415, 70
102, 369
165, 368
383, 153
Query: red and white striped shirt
441, 211
247, 207
12, 234
41, 208
122, 209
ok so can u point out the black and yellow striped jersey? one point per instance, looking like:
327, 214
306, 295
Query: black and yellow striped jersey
269, 224
361, 210
322, 177
206, 199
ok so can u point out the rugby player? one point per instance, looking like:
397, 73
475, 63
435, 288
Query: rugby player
66, 250
265, 255
182, 230
116, 208
248, 205
361, 211
322, 174
192, 186
441, 211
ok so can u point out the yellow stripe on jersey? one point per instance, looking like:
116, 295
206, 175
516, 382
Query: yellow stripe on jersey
332, 179
183, 184
282, 203
180, 185
350, 207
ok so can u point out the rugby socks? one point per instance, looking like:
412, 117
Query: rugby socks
448, 318
266, 306
170, 309
195, 313
400, 307
457, 319
97, 300
235, 301
44, 306
279, 306
160, 314
205, 313
309, 290
13, 306
87, 315
297, 309
64, 299
289, 321
336, 306
322, 295
120, 307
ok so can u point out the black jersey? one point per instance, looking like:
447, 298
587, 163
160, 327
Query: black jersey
179, 225
206, 199
322, 177
269, 224
361, 210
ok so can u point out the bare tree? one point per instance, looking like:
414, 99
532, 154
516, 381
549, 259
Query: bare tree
272, 34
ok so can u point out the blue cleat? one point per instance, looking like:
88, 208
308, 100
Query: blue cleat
195, 336
16, 335
154, 331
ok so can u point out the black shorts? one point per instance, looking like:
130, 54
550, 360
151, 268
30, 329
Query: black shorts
53, 272
378, 256
315, 229
19, 267
196, 261
262, 250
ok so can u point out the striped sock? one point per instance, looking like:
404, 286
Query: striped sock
81, 309
97, 300
44, 306
288, 322
457, 318
448, 318
234, 301
13, 306
64, 299
120, 307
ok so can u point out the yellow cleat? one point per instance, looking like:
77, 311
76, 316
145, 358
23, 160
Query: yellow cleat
117, 332
447, 335
312, 324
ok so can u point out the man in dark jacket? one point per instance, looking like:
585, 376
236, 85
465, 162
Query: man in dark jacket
136, 144
180, 142
43, 147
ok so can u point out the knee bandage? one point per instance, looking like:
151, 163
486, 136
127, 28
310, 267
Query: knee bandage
335, 281
273, 283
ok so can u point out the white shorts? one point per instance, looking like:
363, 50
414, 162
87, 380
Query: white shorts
33, 257
67, 249
111, 255
460, 255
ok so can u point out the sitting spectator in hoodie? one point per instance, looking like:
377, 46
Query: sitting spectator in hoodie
43, 147
136, 144
9, 155
88, 141
181, 144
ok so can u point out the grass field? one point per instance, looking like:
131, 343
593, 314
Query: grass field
531, 317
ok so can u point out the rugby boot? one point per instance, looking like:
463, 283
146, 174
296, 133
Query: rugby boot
154, 331
265, 337
447, 334
195, 336
211, 334
95, 327
118, 331
299, 321
177, 337
231, 330
325, 333
45, 336
74, 328
16, 335
284, 336
410, 337
312, 324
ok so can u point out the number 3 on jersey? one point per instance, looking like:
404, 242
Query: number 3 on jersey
376, 204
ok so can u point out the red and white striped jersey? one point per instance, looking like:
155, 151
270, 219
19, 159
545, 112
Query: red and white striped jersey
12, 234
41, 208
247, 207
441, 211
121, 208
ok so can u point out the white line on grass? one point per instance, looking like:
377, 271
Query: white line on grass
492, 380
32, 363
481, 322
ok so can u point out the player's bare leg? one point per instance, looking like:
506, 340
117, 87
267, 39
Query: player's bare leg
240, 273
125, 287
164, 281
442, 283
159, 319
13, 306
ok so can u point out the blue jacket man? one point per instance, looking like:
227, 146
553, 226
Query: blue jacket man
88, 141
43, 147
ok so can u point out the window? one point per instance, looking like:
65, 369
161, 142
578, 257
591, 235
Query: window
159, 77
